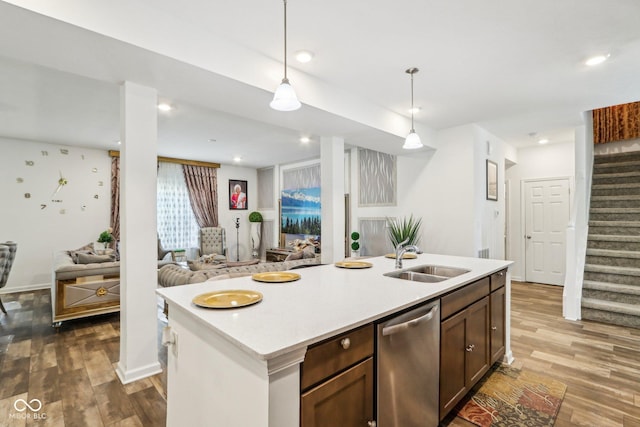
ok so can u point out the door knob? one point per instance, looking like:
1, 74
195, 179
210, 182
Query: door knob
528, 236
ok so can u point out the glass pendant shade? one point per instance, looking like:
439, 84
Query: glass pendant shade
412, 141
285, 99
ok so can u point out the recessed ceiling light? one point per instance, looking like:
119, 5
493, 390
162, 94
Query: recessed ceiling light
596, 60
415, 110
304, 56
164, 107
211, 140
237, 159
305, 139
543, 141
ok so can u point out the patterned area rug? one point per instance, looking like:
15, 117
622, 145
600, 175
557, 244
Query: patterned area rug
510, 397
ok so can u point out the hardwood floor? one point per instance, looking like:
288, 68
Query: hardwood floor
73, 371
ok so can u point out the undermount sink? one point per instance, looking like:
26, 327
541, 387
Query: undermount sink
427, 273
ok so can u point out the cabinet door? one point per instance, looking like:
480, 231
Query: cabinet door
477, 346
452, 361
345, 400
498, 312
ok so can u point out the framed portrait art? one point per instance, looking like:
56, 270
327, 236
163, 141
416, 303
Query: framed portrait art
492, 180
237, 194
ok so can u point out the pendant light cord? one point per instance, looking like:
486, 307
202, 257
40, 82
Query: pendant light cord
285, 40
412, 128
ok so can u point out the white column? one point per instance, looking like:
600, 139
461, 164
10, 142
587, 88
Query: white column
332, 198
138, 259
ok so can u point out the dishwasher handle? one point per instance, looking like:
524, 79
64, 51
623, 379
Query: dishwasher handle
390, 330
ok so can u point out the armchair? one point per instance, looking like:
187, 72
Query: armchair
7, 255
213, 240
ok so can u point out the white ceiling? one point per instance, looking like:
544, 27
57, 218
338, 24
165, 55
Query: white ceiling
513, 67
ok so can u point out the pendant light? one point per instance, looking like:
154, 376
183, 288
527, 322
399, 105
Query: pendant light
413, 140
285, 99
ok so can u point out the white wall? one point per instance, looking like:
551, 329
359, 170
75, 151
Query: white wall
40, 232
544, 161
489, 218
447, 189
227, 217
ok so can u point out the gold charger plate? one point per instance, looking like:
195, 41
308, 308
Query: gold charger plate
353, 264
275, 277
407, 255
227, 299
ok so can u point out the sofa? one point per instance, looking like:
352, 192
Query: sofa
85, 283
174, 275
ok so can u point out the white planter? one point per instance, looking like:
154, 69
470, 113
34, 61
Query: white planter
255, 233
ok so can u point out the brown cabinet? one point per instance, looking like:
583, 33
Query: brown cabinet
464, 352
337, 381
498, 315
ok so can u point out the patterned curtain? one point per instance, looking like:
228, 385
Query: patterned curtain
177, 226
202, 183
115, 197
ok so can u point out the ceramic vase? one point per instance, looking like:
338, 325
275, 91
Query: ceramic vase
255, 233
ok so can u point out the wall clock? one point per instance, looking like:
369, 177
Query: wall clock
60, 188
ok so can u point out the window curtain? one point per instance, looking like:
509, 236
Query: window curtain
115, 197
202, 183
177, 226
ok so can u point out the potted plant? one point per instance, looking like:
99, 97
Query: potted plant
355, 245
401, 229
255, 218
106, 237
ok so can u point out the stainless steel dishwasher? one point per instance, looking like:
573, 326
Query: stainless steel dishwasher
408, 368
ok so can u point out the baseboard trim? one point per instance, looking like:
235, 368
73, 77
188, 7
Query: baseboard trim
517, 279
137, 374
25, 288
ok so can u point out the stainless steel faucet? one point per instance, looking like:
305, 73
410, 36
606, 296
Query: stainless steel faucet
401, 249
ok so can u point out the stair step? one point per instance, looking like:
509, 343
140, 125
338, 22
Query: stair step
615, 210
620, 165
614, 214
618, 189
616, 307
625, 201
613, 178
611, 287
613, 313
611, 253
613, 242
616, 157
606, 269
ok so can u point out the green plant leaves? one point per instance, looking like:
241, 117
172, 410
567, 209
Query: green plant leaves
401, 229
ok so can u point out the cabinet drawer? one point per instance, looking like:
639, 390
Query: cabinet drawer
457, 300
325, 359
498, 279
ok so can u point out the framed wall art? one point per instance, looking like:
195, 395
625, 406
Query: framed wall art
492, 180
237, 194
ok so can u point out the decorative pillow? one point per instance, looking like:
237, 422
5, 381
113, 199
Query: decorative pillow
91, 259
198, 265
309, 252
294, 255
74, 254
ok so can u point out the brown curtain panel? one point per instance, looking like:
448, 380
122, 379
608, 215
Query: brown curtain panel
202, 183
115, 197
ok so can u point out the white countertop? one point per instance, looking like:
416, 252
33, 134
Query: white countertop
326, 301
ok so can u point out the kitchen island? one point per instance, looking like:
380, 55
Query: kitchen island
241, 367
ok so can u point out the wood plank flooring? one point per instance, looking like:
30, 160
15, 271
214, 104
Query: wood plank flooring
73, 371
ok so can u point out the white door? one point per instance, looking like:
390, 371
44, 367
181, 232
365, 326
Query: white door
546, 220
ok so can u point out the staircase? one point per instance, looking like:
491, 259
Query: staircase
611, 287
